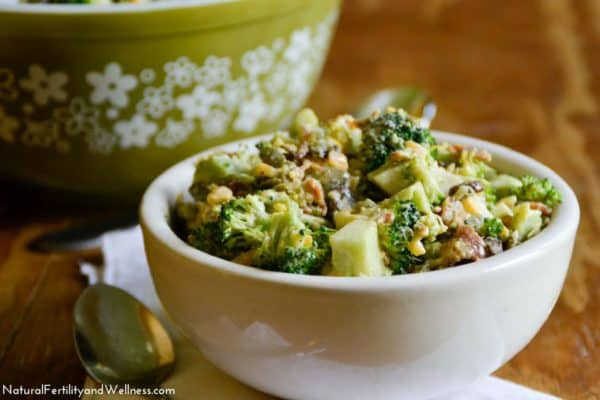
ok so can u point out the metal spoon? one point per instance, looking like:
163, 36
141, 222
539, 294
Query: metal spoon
415, 101
119, 341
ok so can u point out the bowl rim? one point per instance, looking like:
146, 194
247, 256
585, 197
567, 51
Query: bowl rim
118, 8
156, 206
40, 9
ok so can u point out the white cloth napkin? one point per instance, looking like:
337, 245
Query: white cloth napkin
126, 267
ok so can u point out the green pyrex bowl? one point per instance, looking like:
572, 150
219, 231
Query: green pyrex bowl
100, 99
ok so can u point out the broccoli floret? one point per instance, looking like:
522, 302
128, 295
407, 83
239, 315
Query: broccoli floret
395, 236
224, 169
290, 246
271, 154
386, 133
492, 227
536, 189
237, 229
490, 194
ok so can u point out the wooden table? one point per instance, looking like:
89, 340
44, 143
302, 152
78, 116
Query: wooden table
523, 74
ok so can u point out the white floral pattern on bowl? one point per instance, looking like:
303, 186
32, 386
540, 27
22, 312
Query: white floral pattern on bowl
169, 106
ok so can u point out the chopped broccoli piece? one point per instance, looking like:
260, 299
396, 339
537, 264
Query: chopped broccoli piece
490, 194
271, 154
290, 246
236, 230
536, 189
386, 133
395, 236
224, 168
492, 227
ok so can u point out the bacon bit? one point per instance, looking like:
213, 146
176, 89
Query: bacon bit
337, 160
387, 217
465, 245
455, 148
469, 236
536, 205
219, 195
315, 188
350, 122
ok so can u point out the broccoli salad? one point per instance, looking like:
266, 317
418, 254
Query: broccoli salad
372, 197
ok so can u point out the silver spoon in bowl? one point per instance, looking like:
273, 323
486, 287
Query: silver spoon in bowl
415, 101
119, 341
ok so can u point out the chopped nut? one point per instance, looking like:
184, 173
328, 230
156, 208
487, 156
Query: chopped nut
315, 188
219, 195
337, 160
455, 148
483, 155
536, 205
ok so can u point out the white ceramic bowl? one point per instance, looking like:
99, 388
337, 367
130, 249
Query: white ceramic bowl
401, 337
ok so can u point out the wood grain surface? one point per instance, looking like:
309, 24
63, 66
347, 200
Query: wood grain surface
521, 73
